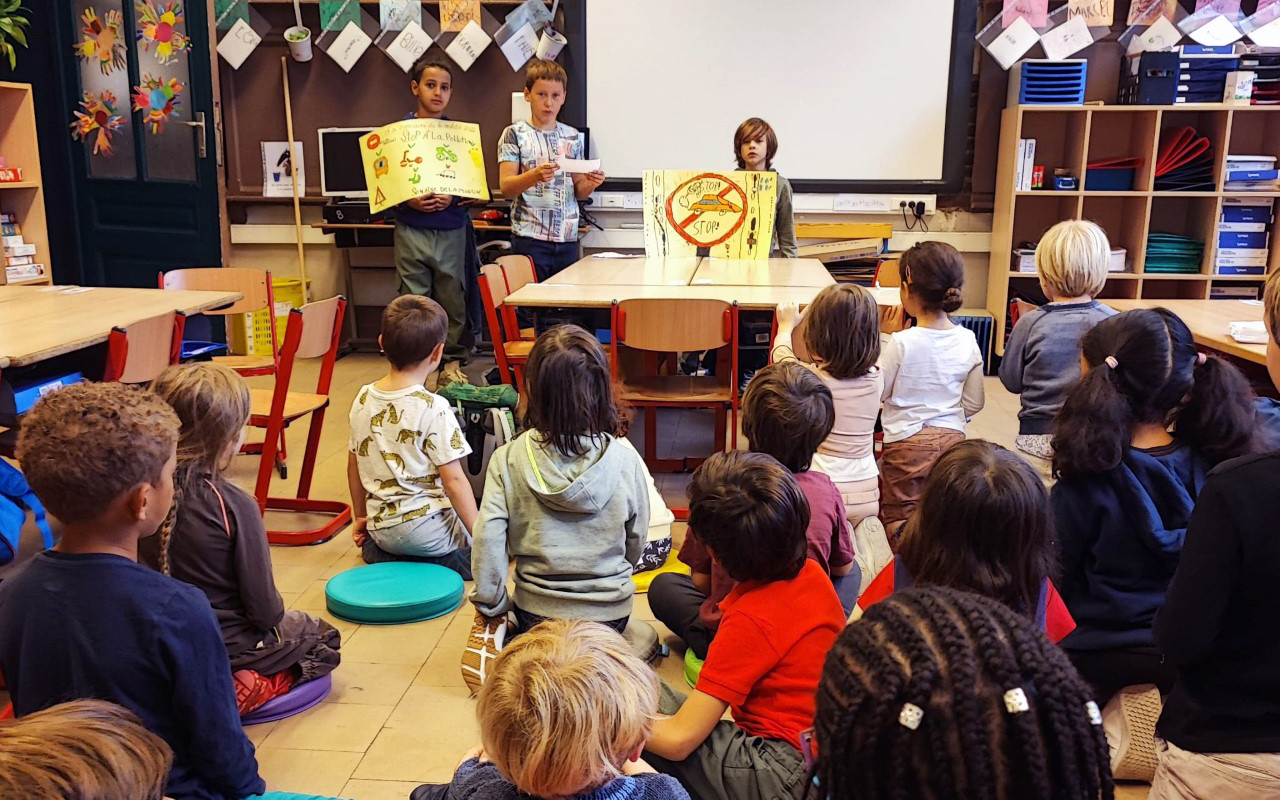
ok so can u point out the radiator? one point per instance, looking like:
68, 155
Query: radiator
983, 326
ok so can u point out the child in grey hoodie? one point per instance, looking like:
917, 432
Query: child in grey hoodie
565, 499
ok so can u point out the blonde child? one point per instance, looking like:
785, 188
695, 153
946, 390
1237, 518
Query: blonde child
1042, 357
754, 146
932, 379
214, 539
564, 714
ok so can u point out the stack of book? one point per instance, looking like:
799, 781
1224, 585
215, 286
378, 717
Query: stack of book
1242, 237
1252, 174
19, 257
1266, 83
1173, 254
1023, 171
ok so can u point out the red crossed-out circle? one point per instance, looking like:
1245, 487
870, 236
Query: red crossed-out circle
680, 225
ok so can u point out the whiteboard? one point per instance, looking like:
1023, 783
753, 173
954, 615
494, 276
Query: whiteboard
855, 89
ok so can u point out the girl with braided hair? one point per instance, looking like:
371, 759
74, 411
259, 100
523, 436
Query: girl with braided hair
937, 694
1136, 439
215, 540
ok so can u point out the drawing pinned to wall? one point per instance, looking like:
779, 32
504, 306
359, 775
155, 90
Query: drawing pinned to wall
227, 12
158, 100
335, 14
394, 15
1146, 12
102, 40
1228, 8
731, 213
455, 14
99, 115
158, 27
1096, 13
278, 168
414, 157
1036, 12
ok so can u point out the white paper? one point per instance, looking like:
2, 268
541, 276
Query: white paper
1216, 31
77, 290
1067, 39
237, 43
348, 46
1249, 332
1268, 35
411, 43
866, 203
520, 47
578, 164
1013, 42
467, 46
617, 255
396, 14
277, 170
1162, 35
520, 108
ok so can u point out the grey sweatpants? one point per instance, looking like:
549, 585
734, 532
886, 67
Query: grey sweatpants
731, 764
432, 263
300, 640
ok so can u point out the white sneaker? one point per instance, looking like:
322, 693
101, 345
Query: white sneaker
1129, 721
487, 638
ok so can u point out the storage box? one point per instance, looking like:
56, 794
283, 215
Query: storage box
251, 334
1107, 179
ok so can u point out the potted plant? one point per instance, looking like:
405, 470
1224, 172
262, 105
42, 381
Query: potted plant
12, 23
298, 37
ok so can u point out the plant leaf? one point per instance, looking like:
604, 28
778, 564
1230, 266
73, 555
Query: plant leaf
20, 36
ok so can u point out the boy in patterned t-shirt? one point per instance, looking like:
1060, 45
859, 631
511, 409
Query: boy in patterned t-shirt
409, 493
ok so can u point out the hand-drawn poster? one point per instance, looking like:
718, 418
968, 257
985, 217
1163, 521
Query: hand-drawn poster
731, 213
413, 157
1096, 13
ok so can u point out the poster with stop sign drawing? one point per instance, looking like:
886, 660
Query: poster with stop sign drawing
413, 157
731, 213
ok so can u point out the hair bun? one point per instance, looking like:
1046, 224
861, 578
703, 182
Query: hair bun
952, 300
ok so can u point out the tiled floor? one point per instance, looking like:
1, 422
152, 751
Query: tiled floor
399, 714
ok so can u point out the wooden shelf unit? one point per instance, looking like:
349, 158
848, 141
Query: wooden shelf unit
25, 199
1069, 137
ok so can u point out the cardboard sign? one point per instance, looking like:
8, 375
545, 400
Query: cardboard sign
413, 157
731, 213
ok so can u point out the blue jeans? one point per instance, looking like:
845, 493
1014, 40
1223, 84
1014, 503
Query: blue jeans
548, 257
457, 560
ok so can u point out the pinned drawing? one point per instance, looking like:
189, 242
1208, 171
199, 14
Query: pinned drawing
158, 100
100, 115
101, 40
729, 213
414, 157
158, 27
1146, 12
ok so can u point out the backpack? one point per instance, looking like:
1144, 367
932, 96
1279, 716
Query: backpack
485, 415
15, 493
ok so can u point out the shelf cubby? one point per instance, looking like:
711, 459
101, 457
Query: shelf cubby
1125, 134
1125, 221
1060, 140
1210, 123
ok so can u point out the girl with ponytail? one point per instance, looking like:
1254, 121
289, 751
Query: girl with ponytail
932, 380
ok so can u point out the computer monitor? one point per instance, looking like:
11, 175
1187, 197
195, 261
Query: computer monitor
341, 166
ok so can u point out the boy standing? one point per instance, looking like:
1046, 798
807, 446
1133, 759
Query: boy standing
430, 235
409, 493
544, 199
85, 620
778, 623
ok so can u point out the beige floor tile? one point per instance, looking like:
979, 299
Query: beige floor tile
378, 790
371, 684
294, 578
257, 733
395, 644
424, 738
640, 606
306, 771
319, 555
311, 598
344, 562
442, 669
330, 726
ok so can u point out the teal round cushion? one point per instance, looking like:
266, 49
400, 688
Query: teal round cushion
393, 593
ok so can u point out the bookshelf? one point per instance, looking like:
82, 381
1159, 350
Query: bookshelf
1069, 137
25, 199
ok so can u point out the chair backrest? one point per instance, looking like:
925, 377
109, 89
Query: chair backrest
497, 283
490, 281
254, 284
518, 271
140, 351
672, 326
887, 274
320, 336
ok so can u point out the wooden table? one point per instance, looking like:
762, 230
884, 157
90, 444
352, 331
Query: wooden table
1210, 322
762, 272
640, 271
39, 322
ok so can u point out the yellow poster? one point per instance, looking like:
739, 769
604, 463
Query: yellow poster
730, 213
413, 157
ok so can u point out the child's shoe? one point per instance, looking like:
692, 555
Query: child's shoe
487, 638
1129, 720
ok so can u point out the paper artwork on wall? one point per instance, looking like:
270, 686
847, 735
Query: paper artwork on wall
467, 46
157, 27
1036, 12
336, 14
1146, 12
101, 39
99, 115
1096, 13
394, 15
238, 43
455, 14
278, 168
413, 157
158, 100
730, 213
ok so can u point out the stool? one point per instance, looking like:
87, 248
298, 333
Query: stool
692, 668
295, 701
393, 593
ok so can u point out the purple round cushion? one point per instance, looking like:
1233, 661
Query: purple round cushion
295, 701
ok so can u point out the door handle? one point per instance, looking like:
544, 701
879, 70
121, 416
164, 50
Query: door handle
202, 145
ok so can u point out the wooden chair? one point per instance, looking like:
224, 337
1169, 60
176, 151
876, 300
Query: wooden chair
510, 354
517, 271
888, 275
313, 331
140, 351
255, 285
659, 330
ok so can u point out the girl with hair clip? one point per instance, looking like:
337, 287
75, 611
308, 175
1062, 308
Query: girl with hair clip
215, 540
1135, 441
938, 694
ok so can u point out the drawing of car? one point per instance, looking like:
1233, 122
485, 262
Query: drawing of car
712, 202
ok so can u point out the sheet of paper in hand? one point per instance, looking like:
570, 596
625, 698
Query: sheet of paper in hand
731, 213
414, 157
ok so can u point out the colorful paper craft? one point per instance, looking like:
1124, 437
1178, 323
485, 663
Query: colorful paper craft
100, 114
158, 27
158, 100
413, 157
102, 39
730, 213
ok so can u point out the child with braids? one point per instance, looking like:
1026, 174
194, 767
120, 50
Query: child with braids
1221, 722
932, 380
1135, 441
936, 694
214, 539
984, 525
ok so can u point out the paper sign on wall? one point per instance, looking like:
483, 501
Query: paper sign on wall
1267, 35
405, 49
1067, 39
455, 14
238, 43
348, 46
467, 46
278, 167
731, 213
1146, 12
1034, 11
1160, 36
1013, 42
1230, 8
520, 47
414, 157
394, 15
1217, 31
1096, 13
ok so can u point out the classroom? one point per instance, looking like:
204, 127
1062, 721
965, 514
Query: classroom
639, 399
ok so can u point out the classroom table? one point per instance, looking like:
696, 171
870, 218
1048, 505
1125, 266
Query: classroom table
553, 295
761, 272
1210, 322
639, 271
39, 322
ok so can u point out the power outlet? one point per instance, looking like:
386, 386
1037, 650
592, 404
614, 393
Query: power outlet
930, 203
610, 200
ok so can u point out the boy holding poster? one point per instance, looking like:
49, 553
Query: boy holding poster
544, 197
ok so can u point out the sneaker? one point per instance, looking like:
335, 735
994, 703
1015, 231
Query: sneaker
452, 373
1129, 721
644, 641
487, 638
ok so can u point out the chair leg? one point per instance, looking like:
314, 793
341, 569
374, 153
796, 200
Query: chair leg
721, 422
650, 434
339, 512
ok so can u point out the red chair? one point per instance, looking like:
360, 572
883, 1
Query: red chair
517, 271
140, 351
313, 331
510, 353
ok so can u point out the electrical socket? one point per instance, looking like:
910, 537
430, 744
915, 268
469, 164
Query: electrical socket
610, 200
930, 203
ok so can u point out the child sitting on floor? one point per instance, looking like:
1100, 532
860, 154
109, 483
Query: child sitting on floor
85, 620
776, 627
215, 540
565, 714
409, 491
984, 525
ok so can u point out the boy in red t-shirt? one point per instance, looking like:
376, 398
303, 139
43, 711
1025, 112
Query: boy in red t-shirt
776, 626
